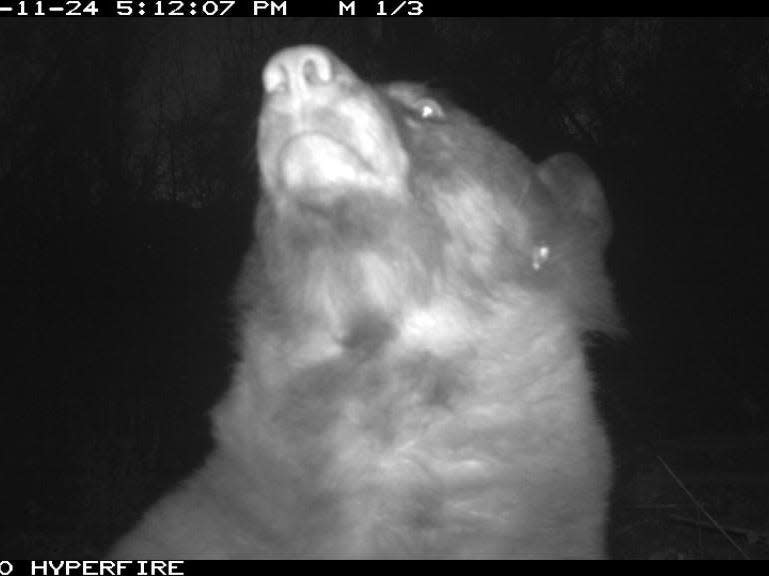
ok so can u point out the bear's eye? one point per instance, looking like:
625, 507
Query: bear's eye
428, 109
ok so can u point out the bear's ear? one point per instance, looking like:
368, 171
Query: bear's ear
578, 193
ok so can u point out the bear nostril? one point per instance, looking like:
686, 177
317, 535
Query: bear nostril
275, 79
316, 69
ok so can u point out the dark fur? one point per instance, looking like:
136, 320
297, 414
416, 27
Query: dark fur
412, 380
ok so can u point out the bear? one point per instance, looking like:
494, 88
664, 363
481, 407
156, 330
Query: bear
413, 313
